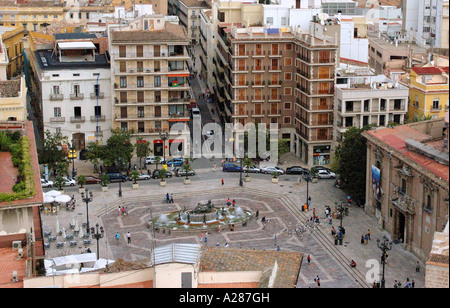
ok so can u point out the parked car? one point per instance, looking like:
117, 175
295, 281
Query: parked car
176, 162
252, 169
267, 170
45, 183
296, 170
152, 159
116, 176
141, 177
323, 168
182, 172
156, 174
231, 168
92, 180
69, 182
324, 174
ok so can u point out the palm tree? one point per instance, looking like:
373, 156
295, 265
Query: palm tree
187, 166
248, 162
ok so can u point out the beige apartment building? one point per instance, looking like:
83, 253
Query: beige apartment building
150, 79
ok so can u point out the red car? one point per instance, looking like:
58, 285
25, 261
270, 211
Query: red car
92, 180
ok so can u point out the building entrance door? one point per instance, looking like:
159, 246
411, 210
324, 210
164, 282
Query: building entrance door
400, 227
79, 141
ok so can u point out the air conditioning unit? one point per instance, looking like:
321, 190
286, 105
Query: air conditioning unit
20, 253
15, 277
16, 244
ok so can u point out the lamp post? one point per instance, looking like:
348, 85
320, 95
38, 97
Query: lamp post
120, 170
384, 246
164, 136
72, 149
87, 197
340, 209
307, 178
97, 236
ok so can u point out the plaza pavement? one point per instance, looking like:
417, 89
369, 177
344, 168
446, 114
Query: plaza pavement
280, 203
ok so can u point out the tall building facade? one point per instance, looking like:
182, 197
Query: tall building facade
150, 80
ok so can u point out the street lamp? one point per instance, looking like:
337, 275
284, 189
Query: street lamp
72, 149
307, 178
87, 197
120, 170
97, 236
384, 245
164, 136
341, 210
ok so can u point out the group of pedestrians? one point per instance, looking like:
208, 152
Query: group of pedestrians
117, 236
123, 210
365, 238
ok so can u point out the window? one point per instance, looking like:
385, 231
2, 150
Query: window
140, 96
122, 51
140, 112
96, 89
57, 112
287, 76
269, 20
288, 47
283, 21
76, 90
435, 104
55, 89
77, 112
288, 61
241, 50
123, 66
98, 111
140, 81
274, 49
157, 81
287, 91
123, 82
287, 106
287, 120
403, 187
139, 51
141, 127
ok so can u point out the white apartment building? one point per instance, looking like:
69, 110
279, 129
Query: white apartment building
423, 21
75, 83
363, 98
3, 60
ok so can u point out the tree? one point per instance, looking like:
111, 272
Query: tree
351, 157
95, 153
247, 163
104, 180
52, 152
134, 175
187, 166
119, 148
142, 149
157, 161
81, 180
60, 182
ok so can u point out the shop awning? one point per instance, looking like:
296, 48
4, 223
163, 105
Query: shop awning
76, 45
177, 75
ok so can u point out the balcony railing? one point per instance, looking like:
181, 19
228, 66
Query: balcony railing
56, 97
77, 119
76, 96
100, 118
100, 95
57, 119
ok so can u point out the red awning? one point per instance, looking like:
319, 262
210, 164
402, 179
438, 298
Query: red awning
178, 120
177, 75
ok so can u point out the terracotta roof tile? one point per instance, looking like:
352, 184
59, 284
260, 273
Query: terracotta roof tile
8, 264
432, 70
170, 33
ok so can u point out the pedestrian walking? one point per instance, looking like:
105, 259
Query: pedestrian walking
278, 248
366, 239
257, 213
308, 258
234, 203
362, 239
368, 234
123, 211
222, 182
413, 284
201, 236
206, 237
407, 284
275, 238
129, 237
417, 267
120, 210
117, 236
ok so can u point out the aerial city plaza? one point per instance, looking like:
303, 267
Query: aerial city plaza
233, 145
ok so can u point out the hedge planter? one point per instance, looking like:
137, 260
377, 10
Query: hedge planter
187, 181
162, 183
274, 180
247, 179
315, 180
104, 188
136, 186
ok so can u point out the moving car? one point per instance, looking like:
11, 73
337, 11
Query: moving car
231, 168
116, 176
176, 162
92, 180
69, 182
156, 174
296, 170
324, 174
267, 170
182, 172
141, 177
45, 183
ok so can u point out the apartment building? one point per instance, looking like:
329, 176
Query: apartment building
428, 94
12, 38
13, 100
363, 98
150, 80
73, 84
160, 7
31, 15
344, 7
3, 61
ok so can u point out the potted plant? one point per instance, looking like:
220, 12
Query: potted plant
314, 175
162, 175
81, 181
247, 164
135, 175
104, 181
275, 176
187, 167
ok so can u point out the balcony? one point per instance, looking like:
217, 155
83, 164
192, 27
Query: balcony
79, 119
99, 133
56, 97
76, 96
100, 95
57, 119
100, 118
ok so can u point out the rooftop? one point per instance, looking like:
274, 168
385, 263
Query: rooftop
8, 265
431, 70
29, 3
398, 139
9, 88
48, 60
223, 259
74, 36
171, 33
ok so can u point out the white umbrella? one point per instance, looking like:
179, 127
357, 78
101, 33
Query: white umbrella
77, 227
57, 226
63, 199
53, 193
48, 199
64, 233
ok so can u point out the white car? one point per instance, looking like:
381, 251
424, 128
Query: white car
325, 174
45, 183
152, 159
69, 182
252, 169
142, 177
267, 170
